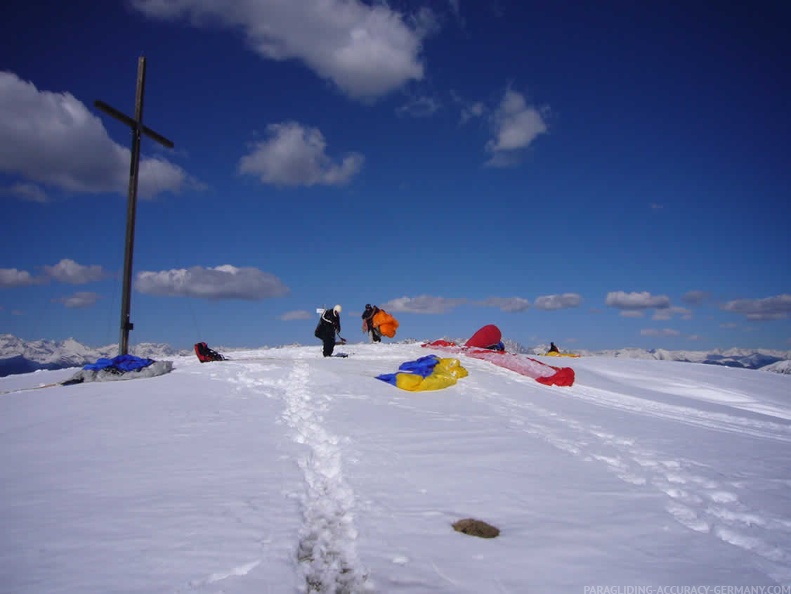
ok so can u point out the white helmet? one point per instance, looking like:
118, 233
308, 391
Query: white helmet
337, 309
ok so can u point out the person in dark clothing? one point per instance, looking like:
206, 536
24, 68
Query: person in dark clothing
553, 348
329, 326
368, 322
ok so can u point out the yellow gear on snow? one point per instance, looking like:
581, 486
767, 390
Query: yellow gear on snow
446, 373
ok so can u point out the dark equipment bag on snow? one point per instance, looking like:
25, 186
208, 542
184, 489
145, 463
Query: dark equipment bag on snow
205, 354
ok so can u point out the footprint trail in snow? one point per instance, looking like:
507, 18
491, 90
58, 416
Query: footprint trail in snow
326, 551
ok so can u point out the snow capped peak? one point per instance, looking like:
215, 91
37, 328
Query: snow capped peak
779, 367
19, 356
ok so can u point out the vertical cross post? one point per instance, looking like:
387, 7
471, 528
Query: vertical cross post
136, 124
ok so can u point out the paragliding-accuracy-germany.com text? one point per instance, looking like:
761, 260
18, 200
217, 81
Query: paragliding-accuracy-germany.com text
777, 589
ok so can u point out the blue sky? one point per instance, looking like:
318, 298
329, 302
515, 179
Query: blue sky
602, 175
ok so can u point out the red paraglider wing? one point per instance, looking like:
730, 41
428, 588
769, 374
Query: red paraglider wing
487, 336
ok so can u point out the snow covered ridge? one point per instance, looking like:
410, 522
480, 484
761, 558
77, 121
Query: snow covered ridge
763, 359
779, 367
281, 471
19, 356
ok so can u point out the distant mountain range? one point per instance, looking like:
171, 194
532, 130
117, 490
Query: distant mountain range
19, 356
763, 359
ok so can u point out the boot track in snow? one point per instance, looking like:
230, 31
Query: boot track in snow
327, 541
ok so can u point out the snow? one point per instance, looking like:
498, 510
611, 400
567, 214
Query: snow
283, 471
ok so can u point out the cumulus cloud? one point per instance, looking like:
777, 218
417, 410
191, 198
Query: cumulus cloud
11, 277
78, 300
564, 301
508, 304
424, 304
365, 50
637, 301
53, 139
769, 308
68, 271
295, 156
222, 282
515, 125
300, 314
659, 332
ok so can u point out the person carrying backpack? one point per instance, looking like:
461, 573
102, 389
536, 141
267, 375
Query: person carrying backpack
368, 322
329, 325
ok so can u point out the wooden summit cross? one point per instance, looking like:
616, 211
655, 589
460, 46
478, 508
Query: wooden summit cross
136, 124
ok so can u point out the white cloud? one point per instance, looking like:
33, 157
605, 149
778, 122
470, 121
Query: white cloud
68, 271
769, 308
222, 282
642, 300
365, 50
53, 139
515, 125
78, 300
11, 277
424, 304
564, 301
508, 304
295, 156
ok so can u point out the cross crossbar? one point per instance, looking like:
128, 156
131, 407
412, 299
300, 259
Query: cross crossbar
112, 111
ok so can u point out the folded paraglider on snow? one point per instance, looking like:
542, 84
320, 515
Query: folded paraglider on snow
122, 367
426, 373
